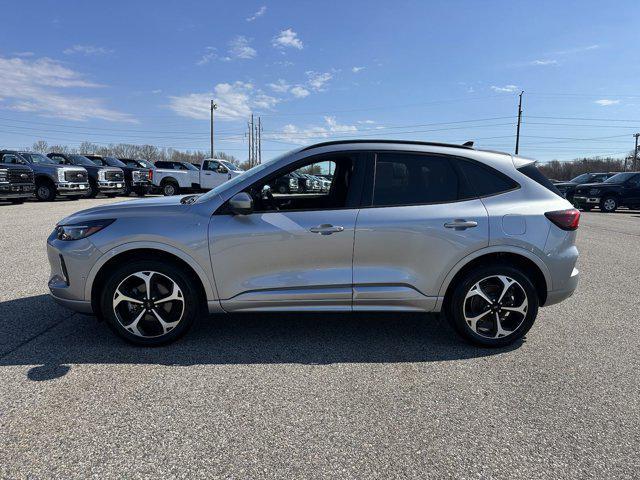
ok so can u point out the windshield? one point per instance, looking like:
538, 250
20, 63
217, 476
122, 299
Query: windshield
230, 166
80, 160
620, 177
581, 178
98, 161
143, 163
240, 178
38, 158
113, 162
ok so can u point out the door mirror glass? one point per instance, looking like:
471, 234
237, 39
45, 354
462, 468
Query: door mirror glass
222, 169
241, 204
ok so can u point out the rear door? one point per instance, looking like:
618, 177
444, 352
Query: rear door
417, 221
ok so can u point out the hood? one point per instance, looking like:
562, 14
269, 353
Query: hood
565, 184
147, 207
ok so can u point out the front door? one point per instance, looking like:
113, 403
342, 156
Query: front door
295, 251
213, 174
416, 227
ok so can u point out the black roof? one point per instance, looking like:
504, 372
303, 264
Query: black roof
466, 146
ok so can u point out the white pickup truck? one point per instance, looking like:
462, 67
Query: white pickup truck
173, 178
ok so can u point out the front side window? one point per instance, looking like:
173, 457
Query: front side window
10, 158
319, 185
38, 158
211, 166
414, 179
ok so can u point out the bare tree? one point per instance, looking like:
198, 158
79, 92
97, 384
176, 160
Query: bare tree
40, 146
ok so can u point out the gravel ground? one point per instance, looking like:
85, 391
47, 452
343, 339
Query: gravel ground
321, 396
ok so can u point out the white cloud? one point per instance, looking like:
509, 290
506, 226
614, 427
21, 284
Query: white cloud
280, 86
87, 50
287, 38
235, 101
543, 62
571, 51
357, 69
605, 102
302, 136
35, 86
261, 11
505, 89
299, 91
317, 81
239, 48
23, 54
209, 55
366, 122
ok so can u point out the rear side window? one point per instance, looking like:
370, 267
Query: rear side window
409, 179
485, 181
536, 175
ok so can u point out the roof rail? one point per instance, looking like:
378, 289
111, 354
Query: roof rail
466, 146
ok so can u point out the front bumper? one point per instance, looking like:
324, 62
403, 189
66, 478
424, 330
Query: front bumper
69, 188
111, 187
581, 200
17, 191
70, 264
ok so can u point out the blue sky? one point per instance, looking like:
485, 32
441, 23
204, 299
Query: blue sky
143, 72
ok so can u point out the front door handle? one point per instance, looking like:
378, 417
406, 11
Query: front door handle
460, 224
326, 229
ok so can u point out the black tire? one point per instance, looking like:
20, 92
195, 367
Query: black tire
520, 323
283, 189
93, 189
190, 294
170, 188
17, 201
45, 191
609, 204
127, 190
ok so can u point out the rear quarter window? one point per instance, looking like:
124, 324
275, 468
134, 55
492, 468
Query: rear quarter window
537, 176
484, 181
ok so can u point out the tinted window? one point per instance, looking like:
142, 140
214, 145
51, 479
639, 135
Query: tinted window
536, 175
10, 158
619, 177
406, 179
484, 181
113, 162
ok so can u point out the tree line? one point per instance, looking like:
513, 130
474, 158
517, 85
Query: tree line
572, 168
125, 150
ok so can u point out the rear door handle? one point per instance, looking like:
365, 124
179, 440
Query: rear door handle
460, 224
326, 229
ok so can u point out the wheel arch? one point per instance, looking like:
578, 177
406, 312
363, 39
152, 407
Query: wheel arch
166, 180
139, 250
527, 261
43, 177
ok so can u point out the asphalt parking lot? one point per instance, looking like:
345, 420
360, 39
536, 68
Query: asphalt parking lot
316, 395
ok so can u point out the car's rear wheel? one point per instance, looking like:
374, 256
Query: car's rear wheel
493, 306
149, 302
608, 205
169, 189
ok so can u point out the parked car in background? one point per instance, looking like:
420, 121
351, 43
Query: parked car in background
482, 236
619, 190
568, 188
172, 178
16, 180
286, 184
106, 180
50, 178
136, 179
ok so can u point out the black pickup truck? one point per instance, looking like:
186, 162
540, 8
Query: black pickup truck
621, 190
137, 180
16, 181
106, 180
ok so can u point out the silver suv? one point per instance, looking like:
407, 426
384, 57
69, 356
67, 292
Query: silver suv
405, 226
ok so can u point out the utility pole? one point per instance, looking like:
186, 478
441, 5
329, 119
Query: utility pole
635, 152
250, 128
260, 140
519, 121
213, 107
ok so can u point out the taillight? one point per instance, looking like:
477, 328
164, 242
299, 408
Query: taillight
565, 219
150, 175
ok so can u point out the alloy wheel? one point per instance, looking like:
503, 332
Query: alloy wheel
44, 191
169, 190
609, 204
148, 304
495, 307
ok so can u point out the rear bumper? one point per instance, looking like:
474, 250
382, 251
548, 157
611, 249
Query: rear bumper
557, 296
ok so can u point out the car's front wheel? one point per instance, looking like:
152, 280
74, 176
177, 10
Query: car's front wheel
608, 205
493, 306
149, 302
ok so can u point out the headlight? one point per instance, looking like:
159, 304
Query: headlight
61, 175
136, 175
4, 175
81, 230
102, 175
293, 182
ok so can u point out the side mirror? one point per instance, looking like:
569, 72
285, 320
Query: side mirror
222, 169
241, 204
